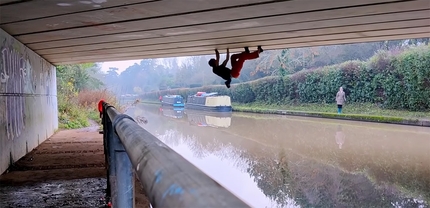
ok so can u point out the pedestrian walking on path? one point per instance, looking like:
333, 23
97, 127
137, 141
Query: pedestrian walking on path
340, 100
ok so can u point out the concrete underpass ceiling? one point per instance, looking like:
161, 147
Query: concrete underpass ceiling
73, 31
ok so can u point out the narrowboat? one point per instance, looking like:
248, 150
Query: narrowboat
209, 102
173, 100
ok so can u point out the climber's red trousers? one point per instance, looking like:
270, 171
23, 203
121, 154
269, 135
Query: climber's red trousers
237, 61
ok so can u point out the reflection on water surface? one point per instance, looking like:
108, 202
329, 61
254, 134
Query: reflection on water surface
281, 161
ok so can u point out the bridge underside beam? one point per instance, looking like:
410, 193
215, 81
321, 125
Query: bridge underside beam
73, 32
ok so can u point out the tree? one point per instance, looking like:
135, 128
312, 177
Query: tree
79, 76
418, 41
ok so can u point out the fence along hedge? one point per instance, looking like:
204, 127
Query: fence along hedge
399, 82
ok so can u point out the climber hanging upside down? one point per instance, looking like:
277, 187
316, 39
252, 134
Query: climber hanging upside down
237, 61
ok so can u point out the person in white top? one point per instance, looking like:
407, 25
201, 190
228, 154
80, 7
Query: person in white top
340, 100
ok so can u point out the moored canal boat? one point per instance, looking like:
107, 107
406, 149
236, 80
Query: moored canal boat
209, 102
173, 100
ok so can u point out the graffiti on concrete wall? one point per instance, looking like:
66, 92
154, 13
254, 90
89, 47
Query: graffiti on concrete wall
28, 105
45, 81
14, 77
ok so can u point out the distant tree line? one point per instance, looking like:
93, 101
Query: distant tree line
191, 72
393, 79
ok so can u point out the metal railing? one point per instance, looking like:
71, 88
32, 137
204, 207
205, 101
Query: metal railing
167, 178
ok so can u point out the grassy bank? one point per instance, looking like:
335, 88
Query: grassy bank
75, 111
359, 109
360, 112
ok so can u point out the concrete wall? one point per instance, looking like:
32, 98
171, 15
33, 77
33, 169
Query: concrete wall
28, 100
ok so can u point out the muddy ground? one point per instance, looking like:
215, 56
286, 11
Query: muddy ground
67, 170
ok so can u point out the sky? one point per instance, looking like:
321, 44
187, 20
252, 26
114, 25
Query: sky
121, 65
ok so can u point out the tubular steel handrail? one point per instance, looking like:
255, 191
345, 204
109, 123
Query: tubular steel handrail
168, 179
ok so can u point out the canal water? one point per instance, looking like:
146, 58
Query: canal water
284, 161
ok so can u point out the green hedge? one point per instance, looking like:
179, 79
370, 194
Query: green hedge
394, 81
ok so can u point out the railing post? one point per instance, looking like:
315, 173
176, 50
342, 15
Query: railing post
104, 119
110, 136
125, 179
120, 174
